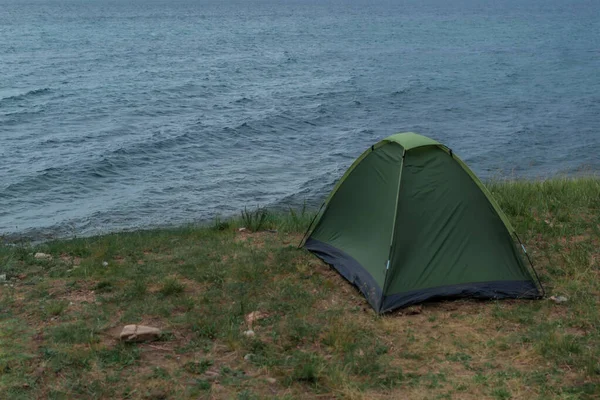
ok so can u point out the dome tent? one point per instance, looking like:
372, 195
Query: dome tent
409, 222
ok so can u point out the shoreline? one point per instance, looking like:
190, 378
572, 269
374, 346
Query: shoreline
275, 213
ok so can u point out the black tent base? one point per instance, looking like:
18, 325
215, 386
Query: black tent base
480, 290
353, 272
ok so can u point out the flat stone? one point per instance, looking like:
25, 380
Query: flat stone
271, 380
42, 256
139, 333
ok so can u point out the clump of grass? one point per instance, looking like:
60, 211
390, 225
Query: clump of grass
254, 220
122, 355
297, 220
202, 384
138, 288
56, 308
74, 333
197, 368
219, 224
307, 368
104, 287
171, 286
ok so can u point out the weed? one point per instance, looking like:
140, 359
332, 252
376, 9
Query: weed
254, 220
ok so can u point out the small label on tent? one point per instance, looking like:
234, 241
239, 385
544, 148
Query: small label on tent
523, 247
387, 265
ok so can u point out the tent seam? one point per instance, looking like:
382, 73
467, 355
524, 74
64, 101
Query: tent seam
387, 268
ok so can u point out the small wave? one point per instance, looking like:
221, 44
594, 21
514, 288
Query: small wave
22, 96
400, 92
243, 100
364, 132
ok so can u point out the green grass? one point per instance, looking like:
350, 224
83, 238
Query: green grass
254, 220
317, 336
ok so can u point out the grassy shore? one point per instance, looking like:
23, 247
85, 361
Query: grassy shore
318, 338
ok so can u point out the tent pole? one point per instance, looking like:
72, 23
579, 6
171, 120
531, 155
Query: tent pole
531, 263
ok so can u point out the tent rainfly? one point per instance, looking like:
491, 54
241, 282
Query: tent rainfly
410, 222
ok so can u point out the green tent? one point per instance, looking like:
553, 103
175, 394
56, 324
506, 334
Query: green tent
409, 222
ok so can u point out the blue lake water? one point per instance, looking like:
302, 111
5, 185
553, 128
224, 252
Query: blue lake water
123, 114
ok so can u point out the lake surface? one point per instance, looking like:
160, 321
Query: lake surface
124, 114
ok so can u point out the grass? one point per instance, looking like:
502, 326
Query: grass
254, 220
317, 337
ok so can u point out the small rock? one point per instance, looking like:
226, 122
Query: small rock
254, 316
559, 299
271, 380
211, 375
248, 356
3, 278
104, 264
249, 333
42, 256
139, 333
242, 229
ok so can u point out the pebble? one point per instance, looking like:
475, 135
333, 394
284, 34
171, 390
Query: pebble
249, 333
559, 299
248, 356
104, 264
42, 256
